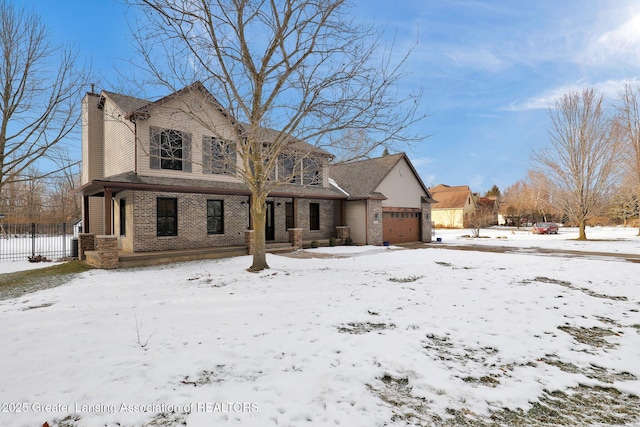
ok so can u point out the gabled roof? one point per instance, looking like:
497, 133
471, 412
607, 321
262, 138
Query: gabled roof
451, 197
489, 203
142, 111
124, 102
136, 108
360, 179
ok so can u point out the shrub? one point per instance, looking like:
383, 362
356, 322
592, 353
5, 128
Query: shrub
314, 244
332, 241
348, 241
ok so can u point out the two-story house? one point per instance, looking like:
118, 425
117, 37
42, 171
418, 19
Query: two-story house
155, 176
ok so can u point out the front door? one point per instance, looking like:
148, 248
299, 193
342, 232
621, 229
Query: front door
270, 230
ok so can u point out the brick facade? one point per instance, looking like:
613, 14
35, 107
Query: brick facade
327, 219
192, 221
374, 220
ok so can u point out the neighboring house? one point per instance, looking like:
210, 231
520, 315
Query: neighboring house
490, 206
454, 205
389, 193
156, 178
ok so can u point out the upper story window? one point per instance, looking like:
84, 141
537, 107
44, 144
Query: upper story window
312, 171
307, 171
170, 149
289, 168
218, 156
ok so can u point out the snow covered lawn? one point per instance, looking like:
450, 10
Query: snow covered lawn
372, 337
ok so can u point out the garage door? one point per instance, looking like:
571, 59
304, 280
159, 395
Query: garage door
400, 225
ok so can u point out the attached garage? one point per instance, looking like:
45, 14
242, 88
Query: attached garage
386, 201
400, 225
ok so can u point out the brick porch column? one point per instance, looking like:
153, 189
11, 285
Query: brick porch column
248, 241
427, 226
86, 242
342, 232
107, 248
295, 237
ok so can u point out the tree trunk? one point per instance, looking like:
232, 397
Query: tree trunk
258, 214
582, 234
638, 195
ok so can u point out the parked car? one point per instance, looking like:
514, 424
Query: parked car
544, 228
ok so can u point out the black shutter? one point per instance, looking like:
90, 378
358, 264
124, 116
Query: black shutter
154, 148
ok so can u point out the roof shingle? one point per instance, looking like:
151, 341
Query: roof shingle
450, 197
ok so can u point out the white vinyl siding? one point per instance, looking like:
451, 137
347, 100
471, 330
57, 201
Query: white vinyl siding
401, 187
96, 215
119, 137
170, 116
92, 139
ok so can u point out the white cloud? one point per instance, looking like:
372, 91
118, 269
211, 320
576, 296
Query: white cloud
547, 99
421, 161
620, 44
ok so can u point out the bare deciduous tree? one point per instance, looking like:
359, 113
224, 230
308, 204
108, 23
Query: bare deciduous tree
540, 197
484, 216
629, 121
515, 205
40, 92
624, 204
528, 199
580, 162
302, 67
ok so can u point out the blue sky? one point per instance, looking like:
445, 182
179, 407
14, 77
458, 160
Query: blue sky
490, 69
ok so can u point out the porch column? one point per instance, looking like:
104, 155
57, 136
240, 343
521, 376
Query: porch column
107, 248
248, 241
107, 211
294, 202
342, 232
295, 237
85, 214
86, 242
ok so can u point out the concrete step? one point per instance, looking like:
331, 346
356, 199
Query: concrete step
274, 248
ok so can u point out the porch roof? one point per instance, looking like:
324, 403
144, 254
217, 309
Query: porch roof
133, 181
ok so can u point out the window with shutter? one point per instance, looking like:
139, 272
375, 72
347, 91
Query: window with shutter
218, 156
170, 149
312, 171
